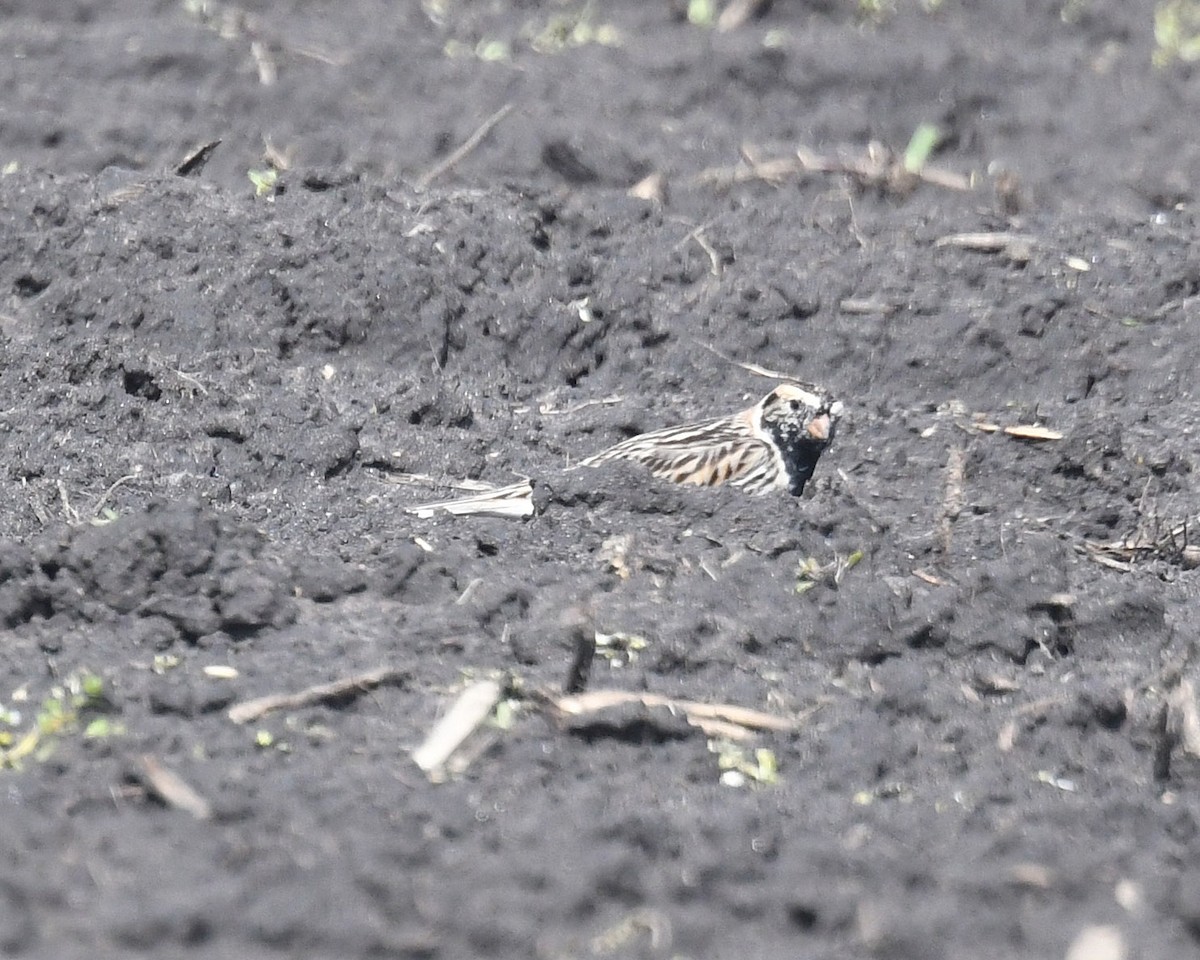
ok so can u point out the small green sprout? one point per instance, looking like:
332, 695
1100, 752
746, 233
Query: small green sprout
493, 51
566, 30
1073, 10
266, 181
436, 10
54, 717
875, 11
921, 146
78, 707
1176, 32
812, 572
808, 575
487, 50
101, 727
164, 662
702, 13
106, 516
620, 648
505, 714
739, 767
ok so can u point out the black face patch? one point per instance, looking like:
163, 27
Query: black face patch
799, 450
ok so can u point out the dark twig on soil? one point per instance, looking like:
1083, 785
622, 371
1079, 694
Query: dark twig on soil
172, 789
582, 632
459, 154
952, 496
1161, 768
335, 691
194, 162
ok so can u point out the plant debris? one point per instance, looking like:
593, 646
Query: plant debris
464, 150
336, 691
878, 168
172, 790
196, 159
515, 500
1032, 431
467, 714
1147, 543
715, 719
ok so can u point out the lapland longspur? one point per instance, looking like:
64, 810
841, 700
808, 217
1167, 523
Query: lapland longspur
774, 445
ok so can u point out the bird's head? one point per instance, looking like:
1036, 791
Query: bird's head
794, 414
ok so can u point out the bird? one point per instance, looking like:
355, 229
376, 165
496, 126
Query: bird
773, 445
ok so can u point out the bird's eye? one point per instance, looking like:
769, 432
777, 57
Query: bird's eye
794, 404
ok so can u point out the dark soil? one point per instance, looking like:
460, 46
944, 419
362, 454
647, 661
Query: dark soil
208, 399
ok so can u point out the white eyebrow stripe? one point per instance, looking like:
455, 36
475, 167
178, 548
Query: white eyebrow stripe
791, 390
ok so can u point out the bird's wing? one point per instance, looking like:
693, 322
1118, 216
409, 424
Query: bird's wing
676, 441
714, 464
706, 453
